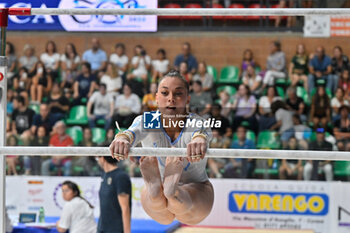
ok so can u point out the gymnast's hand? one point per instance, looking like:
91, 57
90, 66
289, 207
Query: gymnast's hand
120, 148
196, 149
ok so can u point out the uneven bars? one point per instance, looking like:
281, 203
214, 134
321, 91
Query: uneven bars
183, 12
179, 152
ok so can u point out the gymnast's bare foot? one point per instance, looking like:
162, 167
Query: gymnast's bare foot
151, 176
172, 174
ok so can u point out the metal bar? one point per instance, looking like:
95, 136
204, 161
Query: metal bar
179, 152
195, 11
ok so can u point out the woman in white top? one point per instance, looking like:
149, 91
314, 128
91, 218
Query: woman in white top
28, 60
51, 58
141, 64
70, 61
78, 214
337, 101
160, 66
252, 80
119, 58
204, 76
112, 79
266, 117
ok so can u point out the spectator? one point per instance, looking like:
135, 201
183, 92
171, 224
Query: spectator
58, 103
298, 67
340, 62
290, 19
127, 107
247, 166
344, 83
204, 77
33, 163
84, 85
295, 104
248, 60
103, 107
77, 215
22, 117
337, 101
115, 198
320, 112
311, 167
70, 61
21, 82
245, 107
200, 101
112, 79
342, 128
96, 57
149, 102
51, 59
252, 80
320, 68
141, 63
217, 165
216, 114
58, 139
28, 60
160, 66
276, 65
109, 137
120, 60
291, 166
266, 117
11, 60
300, 132
225, 103
44, 118
11, 160
186, 57
87, 138
184, 72
41, 83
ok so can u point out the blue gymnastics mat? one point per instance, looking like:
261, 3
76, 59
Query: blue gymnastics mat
151, 226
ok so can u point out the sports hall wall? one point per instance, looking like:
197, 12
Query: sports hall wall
217, 49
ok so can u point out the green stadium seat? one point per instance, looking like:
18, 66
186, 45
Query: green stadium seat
77, 116
250, 135
268, 140
280, 92
229, 75
302, 93
313, 135
98, 135
35, 108
229, 89
213, 72
76, 133
341, 168
121, 129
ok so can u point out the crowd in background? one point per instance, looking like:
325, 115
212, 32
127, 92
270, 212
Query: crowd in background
302, 104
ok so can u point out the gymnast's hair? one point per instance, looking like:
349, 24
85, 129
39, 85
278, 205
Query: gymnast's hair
74, 187
176, 74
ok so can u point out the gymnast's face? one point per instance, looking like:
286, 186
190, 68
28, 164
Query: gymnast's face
172, 96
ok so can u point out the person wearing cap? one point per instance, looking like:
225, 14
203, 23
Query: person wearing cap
311, 167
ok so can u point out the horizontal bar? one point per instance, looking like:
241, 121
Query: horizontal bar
179, 152
196, 11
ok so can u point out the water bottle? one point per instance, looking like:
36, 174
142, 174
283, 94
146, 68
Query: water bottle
41, 215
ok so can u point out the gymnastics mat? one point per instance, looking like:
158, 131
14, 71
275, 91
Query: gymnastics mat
150, 226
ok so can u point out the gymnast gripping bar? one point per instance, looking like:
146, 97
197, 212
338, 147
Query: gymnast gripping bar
184, 12
179, 152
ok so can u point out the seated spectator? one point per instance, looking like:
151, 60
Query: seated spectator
58, 139
70, 61
11, 61
342, 128
266, 117
11, 160
291, 166
96, 57
127, 107
33, 163
320, 113
200, 101
298, 67
22, 117
87, 139
149, 102
58, 103
215, 113
184, 72
28, 60
141, 63
311, 167
245, 107
344, 83
216, 165
340, 62
112, 79
120, 60
41, 83
44, 118
248, 60
186, 57
160, 65
247, 166
109, 137
51, 59
300, 130
320, 68
103, 107
204, 77
21, 82
338, 101
295, 104
276, 65
84, 85
252, 80
226, 104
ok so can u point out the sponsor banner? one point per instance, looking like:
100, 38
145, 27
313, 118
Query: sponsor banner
341, 218
340, 26
317, 26
83, 22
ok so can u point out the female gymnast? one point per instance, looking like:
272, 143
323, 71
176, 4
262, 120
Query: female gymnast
180, 187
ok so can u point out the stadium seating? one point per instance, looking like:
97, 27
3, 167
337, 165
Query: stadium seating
98, 135
256, 5
193, 17
239, 17
229, 89
213, 72
229, 75
76, 133
268, 140
77, 116
171, 17
217, 17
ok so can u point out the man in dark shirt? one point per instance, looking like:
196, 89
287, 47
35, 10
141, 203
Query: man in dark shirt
295, 104
115, 198
22, 117
311, 168
187, 57
45, 119
84, 84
